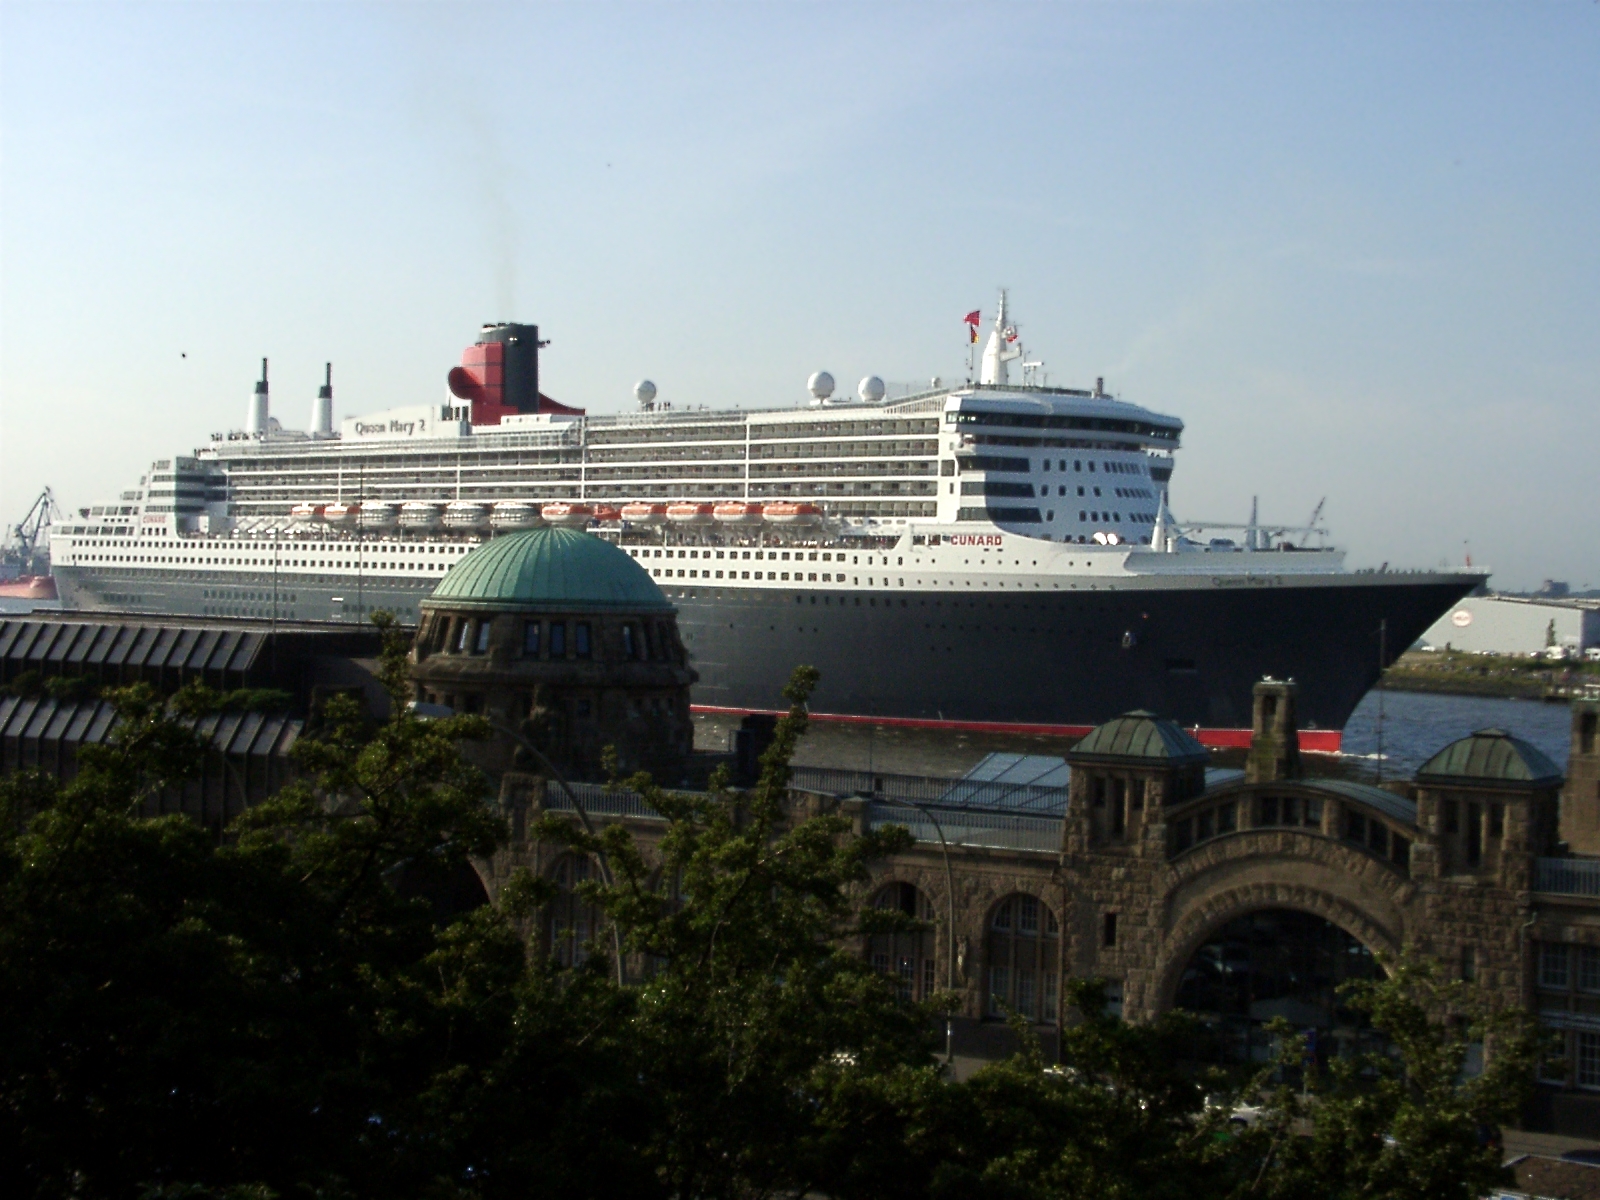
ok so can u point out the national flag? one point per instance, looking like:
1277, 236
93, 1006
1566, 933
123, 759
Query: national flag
974, 332
972, 318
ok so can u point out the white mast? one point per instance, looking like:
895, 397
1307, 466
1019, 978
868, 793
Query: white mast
1002, 347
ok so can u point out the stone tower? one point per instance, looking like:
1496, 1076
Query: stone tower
1274, 732
1580, 801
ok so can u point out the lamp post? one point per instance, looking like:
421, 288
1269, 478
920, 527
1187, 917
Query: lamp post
950, 912
431, 711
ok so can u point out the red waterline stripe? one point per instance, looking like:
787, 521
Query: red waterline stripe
1322, 741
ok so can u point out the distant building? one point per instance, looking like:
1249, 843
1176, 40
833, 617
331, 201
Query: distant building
1517, 625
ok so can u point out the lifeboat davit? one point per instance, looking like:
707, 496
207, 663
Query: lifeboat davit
515, 514
608, 514
736, 513
689, 514
465, 514
787, 513
419, 514
307, 513
572, 515
378, 516
640, 513
342, 514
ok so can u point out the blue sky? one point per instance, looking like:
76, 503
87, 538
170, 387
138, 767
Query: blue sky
1354, 247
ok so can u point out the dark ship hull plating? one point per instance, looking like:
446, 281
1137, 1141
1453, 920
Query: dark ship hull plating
1059, 662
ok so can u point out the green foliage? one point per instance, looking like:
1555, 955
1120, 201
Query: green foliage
755, 1013
1408, 1124
280, 1013
291, 1011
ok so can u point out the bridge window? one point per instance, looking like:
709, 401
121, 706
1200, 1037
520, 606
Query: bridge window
1278, 962
1022, 960
906, 955
572, 921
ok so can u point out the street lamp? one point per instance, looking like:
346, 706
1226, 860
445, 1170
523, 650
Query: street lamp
950, 912
417, 708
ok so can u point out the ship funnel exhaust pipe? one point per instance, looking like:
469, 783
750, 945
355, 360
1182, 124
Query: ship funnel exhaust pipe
256, 420
322, 410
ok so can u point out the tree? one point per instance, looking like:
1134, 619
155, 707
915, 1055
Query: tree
284, 1011
752, 1009
1410, 1122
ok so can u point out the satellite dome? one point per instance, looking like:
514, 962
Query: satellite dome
821, 385
644, 391
871, 389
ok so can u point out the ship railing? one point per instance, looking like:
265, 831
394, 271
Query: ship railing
1567, 876
971, 827
922, 789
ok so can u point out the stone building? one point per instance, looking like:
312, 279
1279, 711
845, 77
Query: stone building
565, 640
1242, 895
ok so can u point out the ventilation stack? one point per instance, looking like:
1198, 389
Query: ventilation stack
255, 423
322, 410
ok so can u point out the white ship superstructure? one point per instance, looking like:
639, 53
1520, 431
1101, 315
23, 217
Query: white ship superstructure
981, 488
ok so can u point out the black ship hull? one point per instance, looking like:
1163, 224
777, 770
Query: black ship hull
1058, 661
1062, 661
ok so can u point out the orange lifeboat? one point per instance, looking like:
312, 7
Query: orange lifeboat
736, 513
306, 512
689, 514
573, 516
787, 513
342, 514
640, 513
608, 513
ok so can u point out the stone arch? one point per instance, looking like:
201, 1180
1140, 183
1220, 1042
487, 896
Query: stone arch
1199, 922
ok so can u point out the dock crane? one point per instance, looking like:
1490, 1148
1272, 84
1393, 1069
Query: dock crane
21, 545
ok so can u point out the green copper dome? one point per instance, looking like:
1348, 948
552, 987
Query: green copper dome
1140, 735
548, 569
1491, 757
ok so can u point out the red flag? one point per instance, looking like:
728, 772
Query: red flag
972, 317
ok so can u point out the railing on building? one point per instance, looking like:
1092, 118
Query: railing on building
920, 789
1567, 876
599, 801
970, 827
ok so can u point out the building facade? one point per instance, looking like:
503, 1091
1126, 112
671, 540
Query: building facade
1241, 895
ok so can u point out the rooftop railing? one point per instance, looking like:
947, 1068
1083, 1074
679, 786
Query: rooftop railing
1567, 876
599, 801
969, 827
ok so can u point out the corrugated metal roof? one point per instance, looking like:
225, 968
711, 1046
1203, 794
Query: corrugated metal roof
1140, 735
39, 718
549, 568
1491, 756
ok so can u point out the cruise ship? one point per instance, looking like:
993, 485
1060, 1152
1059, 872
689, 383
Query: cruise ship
982, 553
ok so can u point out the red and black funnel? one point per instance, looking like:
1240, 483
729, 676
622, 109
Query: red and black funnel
499, 375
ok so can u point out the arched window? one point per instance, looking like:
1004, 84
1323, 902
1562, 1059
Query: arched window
571, 921
906, 956
1022, 958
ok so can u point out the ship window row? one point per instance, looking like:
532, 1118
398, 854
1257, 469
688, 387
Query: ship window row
1102, 445
856, 428
665, 432
769, 555
822, 470
657, 454
843, 449
1041, 421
